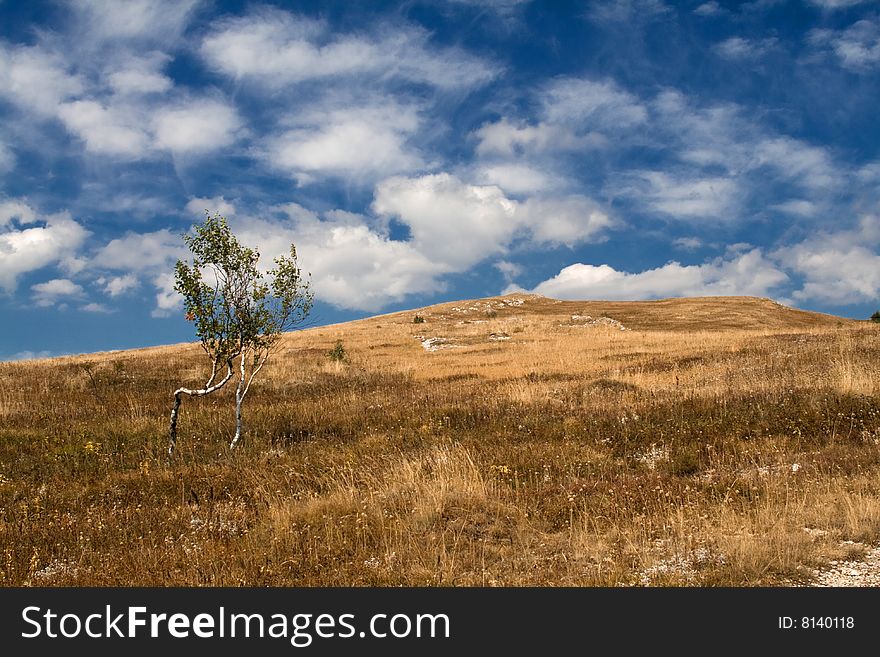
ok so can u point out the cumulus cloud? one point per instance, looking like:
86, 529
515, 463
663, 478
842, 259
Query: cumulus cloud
168, 300
856, 47
460, 225
517, 178
838, 267
118, 285
141, 252
506, 138
452, 226
747, 273
36, 80
140, 75
149, 256
14, 209
366, 143
685, 198
217, 204
104, 130
711, 8
567, 220
276, 48
352, 264
29, 241
197, 126
51, 292
450, 221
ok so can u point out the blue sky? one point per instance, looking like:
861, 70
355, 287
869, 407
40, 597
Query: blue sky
418, 152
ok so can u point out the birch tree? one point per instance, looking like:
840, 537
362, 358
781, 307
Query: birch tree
239, 312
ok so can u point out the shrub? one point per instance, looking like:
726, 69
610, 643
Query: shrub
337, 353
418, 319
876, 316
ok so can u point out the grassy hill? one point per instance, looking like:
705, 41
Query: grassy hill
503, 441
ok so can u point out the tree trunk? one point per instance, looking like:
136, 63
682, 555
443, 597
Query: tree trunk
239, 398
172, 429
172, 437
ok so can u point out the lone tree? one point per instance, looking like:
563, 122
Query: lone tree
238, 314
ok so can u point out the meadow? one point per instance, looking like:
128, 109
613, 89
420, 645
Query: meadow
508, 441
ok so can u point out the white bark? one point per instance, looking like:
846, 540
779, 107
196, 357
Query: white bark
244, 384
208, 389
239, 397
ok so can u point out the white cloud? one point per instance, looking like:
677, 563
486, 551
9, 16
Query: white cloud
737, 48
686, 198
688, 243
120, 284
7, 158
49, 293
93, 307
710, 136
517, 178
352, 265
797, 207
836, 4
141, 252
26, 248
838, 268
458, 224
453, 226
104, 130
567, 220
12, 209
137, 76
506, 139
36, 80
133, 20
598, 104
628, 12
869, 173
367, 143
744, 274
808, 166
857, 47
751, 156
217, 204
711, 8
450, 221
509, 270
276, 48
168, 300
197, 126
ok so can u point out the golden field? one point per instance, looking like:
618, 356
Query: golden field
719, 441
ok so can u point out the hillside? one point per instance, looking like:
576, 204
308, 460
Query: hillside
680, 314
513, 440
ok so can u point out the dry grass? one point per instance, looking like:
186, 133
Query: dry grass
717, 442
